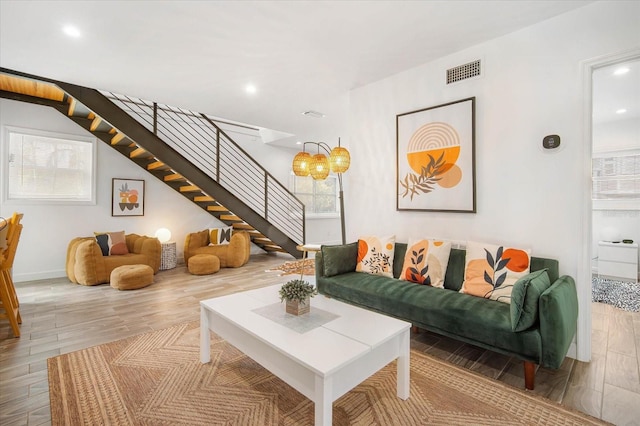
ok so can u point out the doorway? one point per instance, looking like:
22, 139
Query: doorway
588, 253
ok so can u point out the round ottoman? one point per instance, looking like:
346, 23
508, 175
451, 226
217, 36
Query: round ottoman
203, 264
130, 277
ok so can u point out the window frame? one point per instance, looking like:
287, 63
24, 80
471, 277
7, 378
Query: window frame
7, 132
312, 214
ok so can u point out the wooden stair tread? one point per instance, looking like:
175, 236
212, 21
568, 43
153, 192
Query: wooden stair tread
217, 208
189, 188
173, 177
203, 198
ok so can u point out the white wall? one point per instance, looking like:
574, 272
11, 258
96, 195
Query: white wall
48, 228
531, 87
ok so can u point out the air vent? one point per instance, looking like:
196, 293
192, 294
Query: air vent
462, 72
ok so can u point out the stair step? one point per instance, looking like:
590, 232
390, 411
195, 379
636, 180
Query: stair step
231, 218
174, 177
140, 153
73, 105
203, 198
189, 188
217, 208
120, 139
272, 248
265, 241
243, 226
95, 123
157, 165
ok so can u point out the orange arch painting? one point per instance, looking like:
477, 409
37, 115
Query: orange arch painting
434, 141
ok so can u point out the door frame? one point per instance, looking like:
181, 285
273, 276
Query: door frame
583, 334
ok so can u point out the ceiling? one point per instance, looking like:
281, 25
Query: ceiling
300, 55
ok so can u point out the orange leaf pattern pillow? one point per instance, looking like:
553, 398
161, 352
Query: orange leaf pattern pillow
426, 262
375, 255
491, 271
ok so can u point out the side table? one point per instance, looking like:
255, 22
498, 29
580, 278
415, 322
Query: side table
168, 258
305, 249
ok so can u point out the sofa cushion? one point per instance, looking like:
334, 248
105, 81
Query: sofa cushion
220, 235
486, 323
491, 271
375, 255
112, 243
339, 259
524, 299
425, 262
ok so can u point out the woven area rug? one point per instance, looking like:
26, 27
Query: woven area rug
307, 266
621, 294
157, 378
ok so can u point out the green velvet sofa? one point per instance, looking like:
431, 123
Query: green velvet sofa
481, 322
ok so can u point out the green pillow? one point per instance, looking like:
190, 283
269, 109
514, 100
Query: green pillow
524, 299
339, 259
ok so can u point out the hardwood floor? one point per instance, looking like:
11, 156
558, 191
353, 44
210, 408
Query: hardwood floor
60, 317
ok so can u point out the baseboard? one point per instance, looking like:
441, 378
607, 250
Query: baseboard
43, 275
573, 351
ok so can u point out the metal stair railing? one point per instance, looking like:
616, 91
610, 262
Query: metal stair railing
196, 137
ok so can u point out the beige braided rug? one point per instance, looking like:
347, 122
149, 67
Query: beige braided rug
157, 378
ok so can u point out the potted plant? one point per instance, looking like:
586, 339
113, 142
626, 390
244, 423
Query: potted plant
297, 294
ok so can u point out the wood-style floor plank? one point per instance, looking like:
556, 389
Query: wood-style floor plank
61, 317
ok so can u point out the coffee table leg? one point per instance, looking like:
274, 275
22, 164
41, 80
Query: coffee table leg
403, 366
205, 337
323, 402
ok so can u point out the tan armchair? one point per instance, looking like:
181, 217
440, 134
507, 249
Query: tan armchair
87, 266
232, 255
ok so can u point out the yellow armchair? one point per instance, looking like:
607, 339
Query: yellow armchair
87, 266
232, 255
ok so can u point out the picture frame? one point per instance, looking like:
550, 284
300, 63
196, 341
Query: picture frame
127, 197
435, 158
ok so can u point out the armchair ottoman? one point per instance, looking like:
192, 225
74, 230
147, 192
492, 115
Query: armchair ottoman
232, 255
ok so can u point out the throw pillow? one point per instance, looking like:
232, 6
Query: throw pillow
375, 255
220, 235
425, 262
112, 243
339, 259
491, 271
524, 299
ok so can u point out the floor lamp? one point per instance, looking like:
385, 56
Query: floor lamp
319, 166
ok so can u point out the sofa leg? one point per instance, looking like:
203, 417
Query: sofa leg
415, 329
529, 374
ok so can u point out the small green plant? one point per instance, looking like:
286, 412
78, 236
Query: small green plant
297, 290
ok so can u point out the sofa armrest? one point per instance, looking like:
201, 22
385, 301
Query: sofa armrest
89, 267
238, 250
194, 241
558, 310
152, 250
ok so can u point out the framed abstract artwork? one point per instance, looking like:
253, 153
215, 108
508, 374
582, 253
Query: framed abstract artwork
127, 197
435, 153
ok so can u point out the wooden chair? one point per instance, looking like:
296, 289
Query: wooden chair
8, 296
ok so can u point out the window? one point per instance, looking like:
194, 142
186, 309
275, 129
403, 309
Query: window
318, 196
616, 181
49, 167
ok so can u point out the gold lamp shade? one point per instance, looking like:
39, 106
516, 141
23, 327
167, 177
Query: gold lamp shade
339, 159
319, 167
301, 163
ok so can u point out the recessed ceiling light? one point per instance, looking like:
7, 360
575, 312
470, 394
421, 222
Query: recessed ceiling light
298, 143
621, 111
71, 31
250, 88
621, 71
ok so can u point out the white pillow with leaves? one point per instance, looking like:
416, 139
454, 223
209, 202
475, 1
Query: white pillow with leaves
375, 255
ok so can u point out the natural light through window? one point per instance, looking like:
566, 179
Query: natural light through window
320, 197
49, 167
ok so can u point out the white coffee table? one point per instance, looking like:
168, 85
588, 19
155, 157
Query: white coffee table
321, 361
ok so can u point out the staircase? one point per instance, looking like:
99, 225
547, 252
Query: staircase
186, 150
